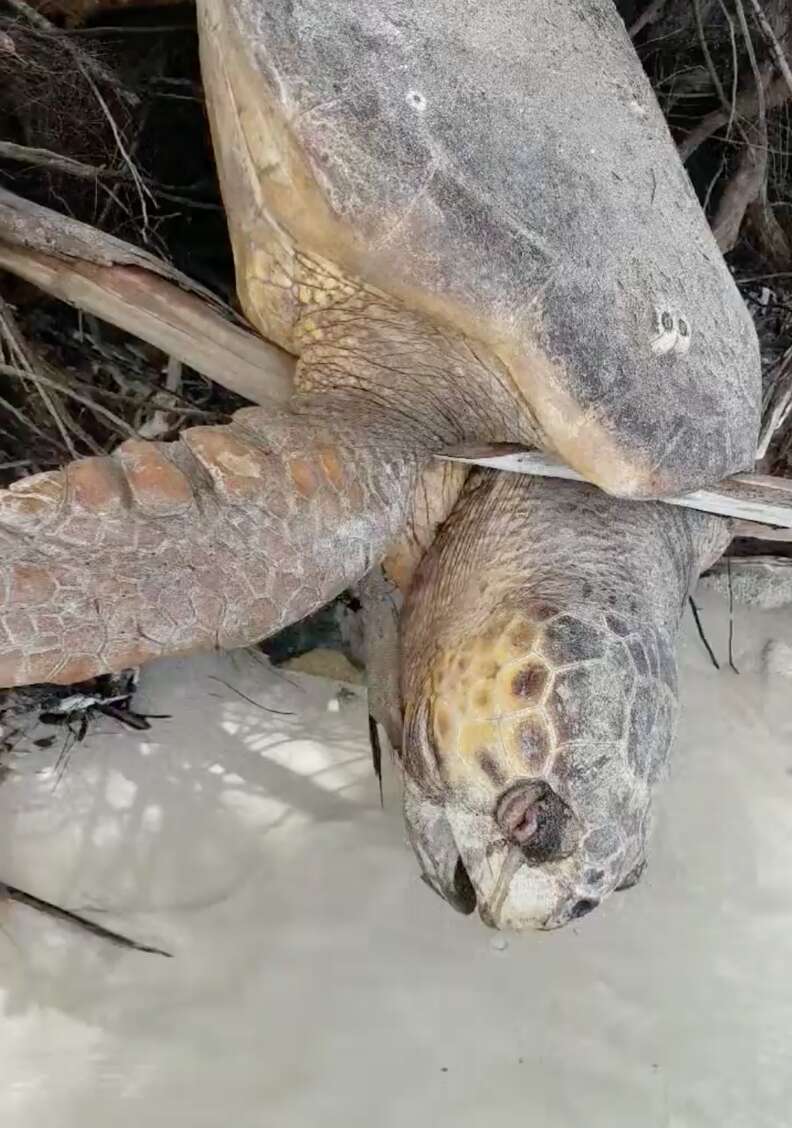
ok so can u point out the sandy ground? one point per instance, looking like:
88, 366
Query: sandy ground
317, 982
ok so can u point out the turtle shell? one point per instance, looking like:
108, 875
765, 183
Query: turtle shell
504, 168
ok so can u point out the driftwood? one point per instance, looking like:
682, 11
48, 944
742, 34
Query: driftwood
141, 294
749, 497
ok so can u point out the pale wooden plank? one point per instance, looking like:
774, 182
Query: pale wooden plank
747, 497
155, 310
142, 294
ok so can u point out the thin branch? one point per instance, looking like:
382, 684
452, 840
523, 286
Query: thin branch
204, 205
743, 188
87, 63
712, 183
716, 82
25, 224
746, 108
762, 81
92, 32
142, 190
767, 30
56, 162
778, 404
23, 898
86, 401
17, 350
702, 636
731, 616
748, 497
376, 754
145, 305
735, 67
45, 158
749, 181
22, 419
244, 696
91, 71
159, 423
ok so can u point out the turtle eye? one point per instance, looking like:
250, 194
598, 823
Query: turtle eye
530, 815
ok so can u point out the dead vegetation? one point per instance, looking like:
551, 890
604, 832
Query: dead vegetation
102, 121
104, 124
721, 72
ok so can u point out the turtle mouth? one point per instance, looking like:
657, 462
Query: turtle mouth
511, 864
460, 894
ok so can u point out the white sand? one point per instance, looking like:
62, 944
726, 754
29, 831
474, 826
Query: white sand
318, 983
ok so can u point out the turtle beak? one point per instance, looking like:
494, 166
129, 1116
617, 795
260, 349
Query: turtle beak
512, 892
465, 859
520, 865
430, 835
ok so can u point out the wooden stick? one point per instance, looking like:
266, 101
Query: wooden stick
142, 294
157, 311
25, 224
56, 162
11, 893
751, 530
748, 497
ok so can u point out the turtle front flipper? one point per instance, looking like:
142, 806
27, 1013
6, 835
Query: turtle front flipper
216, 540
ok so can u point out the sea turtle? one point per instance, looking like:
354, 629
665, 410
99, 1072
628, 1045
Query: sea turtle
469, 223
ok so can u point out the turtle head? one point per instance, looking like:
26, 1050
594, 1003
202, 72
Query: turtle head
529, 757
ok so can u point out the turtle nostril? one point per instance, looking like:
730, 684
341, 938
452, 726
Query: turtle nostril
581, 908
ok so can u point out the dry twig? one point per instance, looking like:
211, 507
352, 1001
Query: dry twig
744, 187
55, 162
705, 49
11, 893
746, 107
142, 190
18, 352
777, 405
118, 423
775, 45
87, 63
148, 307
749, 183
